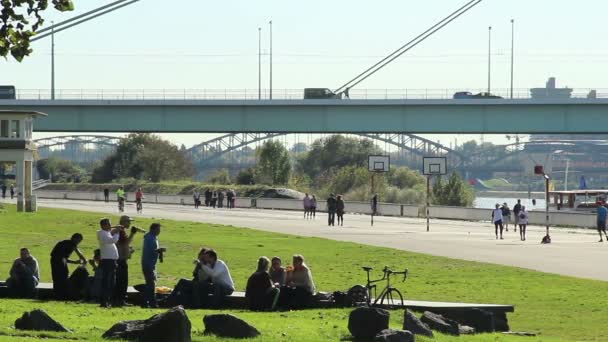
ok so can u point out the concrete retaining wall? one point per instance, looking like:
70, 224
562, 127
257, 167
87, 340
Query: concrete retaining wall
385, 209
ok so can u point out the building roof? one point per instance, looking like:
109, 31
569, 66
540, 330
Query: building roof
21, 112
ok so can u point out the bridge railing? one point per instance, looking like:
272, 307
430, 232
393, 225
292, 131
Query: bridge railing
277, 94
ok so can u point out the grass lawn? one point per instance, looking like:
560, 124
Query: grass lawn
556, 307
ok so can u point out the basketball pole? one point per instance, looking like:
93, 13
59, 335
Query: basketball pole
428, 191
373, 193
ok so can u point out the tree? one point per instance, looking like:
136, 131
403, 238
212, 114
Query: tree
19, 21
456, 192
246, 176
404, 178
60, 170
221, 176
145, 156
273, 165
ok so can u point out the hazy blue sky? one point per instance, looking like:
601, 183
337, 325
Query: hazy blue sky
157, 44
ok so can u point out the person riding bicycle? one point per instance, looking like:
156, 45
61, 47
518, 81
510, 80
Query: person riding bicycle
139, 196
120, 195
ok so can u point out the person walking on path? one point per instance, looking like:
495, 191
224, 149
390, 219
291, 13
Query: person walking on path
197, 198
220, 199
331, 210
60, 258
523, 222
3, 190
340, 210
108, 237
12, 191
229, 199
313, 206
306, 203
374, 205
497, 219
139, 198
516, 209
506, 215
124, 254
601, 221
207, 197
214, 199
106, 195
149, 257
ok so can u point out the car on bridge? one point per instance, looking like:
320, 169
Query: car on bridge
320, 93
469, 95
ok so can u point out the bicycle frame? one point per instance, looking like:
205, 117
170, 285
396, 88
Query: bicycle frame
387, 291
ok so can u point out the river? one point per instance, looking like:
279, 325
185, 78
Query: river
490, 202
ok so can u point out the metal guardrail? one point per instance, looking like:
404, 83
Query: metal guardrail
277, 94
40, 183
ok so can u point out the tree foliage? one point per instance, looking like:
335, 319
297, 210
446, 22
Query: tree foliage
19, 21
336, 152
60, 170
246, 177
145, 156
274, 166
221, 176
456, 192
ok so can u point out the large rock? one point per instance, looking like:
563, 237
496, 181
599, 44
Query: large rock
170, 326
366, 323
440, 323
501, 323
413, 324
483, 321
390, 335
38, 320
224, 325
466, 330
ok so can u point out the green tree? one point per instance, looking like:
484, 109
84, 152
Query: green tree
60, 170
273, 166
19, 21
455, 192
404, 178
221, 176
246, 177
147, 157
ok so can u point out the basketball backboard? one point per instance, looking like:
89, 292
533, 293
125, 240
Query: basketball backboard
379, 163
434, 166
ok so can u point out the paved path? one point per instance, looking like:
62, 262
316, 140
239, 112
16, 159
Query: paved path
574, 252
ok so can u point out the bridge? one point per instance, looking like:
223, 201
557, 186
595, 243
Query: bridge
575, 115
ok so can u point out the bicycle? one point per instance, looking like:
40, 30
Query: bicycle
121, 205
388, 293
140, 206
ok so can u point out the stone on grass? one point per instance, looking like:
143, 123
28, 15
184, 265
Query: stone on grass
170, 326
366, 323
413, 324
38, 320
390, 335
466, 330
482, 320
440, 323
225, 325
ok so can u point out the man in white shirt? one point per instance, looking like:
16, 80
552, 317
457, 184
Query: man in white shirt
497, 219
221, 281
107, 237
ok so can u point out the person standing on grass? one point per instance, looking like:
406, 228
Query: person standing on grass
506, 215
306, 204
516, 209
340, 210
331, 210
24, 275
60, 258
602, 212
497, 219
124, 254
108, 237
149, 257
523, 222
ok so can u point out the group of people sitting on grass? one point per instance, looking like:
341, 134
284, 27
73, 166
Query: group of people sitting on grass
271, 286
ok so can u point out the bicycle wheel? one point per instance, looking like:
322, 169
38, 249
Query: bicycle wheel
389, 297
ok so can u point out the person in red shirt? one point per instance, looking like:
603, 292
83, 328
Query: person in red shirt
139, 196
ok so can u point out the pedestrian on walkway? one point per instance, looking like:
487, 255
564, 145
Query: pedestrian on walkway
106, 195
207, 197
374, 205
12, 191
506, 215
601, 221
230, 198
107, 237
306, 203
523, 222
214, 199
516, 210
3, 190
313, 206
197, 198
220, 199
497, 219
340, 210
331, 210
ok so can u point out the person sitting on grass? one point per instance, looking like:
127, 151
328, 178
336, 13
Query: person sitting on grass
300, 287
94, 282
277, 272
221, 282
24, 276
187, 292
261, 293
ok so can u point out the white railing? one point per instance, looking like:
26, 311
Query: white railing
277, 94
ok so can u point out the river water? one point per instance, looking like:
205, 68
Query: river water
490, 202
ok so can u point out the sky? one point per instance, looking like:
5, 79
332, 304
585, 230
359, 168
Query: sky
197, 44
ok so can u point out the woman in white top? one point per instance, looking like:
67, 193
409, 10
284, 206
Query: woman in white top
523, 222
300, 286
497, 219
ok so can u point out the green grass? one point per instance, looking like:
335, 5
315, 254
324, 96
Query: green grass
557, 307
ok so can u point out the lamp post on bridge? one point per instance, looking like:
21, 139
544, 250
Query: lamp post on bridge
270, 24
512, 52
259, 63
489, 58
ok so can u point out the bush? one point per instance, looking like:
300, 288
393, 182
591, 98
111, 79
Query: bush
219, 177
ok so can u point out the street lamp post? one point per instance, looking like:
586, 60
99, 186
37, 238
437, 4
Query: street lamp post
489, 58
512, 51
53, 62
270, 23
259, 63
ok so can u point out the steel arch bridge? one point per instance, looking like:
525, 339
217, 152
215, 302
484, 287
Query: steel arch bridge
78, 148
215, 148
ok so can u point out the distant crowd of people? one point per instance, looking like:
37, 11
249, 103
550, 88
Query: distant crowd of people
215, 199
335, 207
10, 188
269, 287
501, 217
